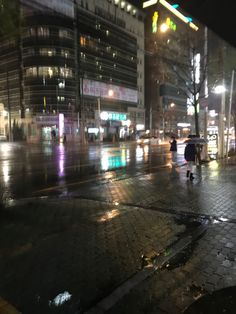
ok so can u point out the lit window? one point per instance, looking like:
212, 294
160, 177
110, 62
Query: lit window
82, 55
122, 4
66, 72
114, 54
43, 31
134, 11
82, 41
65, 53
64, 33
47, 52
32, 32
107, 32
48, 71
116, 2
31, 71
114, 65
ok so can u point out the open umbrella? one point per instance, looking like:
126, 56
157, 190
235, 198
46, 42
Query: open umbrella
196, 140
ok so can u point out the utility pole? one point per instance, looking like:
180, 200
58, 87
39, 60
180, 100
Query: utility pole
229, 113
205, 133
9, 110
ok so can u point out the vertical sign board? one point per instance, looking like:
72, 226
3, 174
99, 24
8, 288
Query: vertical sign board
212, 144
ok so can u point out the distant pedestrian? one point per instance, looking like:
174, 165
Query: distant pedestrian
64, 138
53, 134
190, 153
173, 149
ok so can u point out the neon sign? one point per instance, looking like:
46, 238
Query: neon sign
154, 21
171, 24
113, 116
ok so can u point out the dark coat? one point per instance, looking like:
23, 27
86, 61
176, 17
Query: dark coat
190, 152
173, 146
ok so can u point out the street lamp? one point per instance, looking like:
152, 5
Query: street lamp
220, 89
110, 93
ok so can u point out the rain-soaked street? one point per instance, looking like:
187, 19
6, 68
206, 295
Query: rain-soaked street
115, 228
52, 167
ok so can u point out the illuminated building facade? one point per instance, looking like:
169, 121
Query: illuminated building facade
167, 43
77, 58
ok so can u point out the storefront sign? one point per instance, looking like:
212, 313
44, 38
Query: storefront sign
47, 119
113, 116
212, 144
102, 90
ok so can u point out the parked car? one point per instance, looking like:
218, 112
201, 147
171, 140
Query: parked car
147, 139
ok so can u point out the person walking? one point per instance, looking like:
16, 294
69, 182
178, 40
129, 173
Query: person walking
190, 156
173, 149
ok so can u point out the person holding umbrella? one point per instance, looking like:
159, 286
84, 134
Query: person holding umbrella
190, 153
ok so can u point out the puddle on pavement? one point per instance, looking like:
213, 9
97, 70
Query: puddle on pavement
182, 257
218, 302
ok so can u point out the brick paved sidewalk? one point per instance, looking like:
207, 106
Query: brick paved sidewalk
87, 246
83, 247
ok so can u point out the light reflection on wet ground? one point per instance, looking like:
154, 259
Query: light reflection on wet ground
28, 168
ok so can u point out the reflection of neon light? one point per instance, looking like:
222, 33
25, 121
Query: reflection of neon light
5, 170
61, 298
61, 124
61, 160
109, 215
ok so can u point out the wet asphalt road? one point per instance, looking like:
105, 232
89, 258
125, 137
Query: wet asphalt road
50, 168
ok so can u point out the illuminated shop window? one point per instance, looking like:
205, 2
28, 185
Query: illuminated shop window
43, 31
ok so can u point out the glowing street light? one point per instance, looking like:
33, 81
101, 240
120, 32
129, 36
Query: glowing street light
164, 27
219, 89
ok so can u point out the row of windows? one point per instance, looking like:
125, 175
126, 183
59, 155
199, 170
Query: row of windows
43, 31
49, 52
49, 71
99, 46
